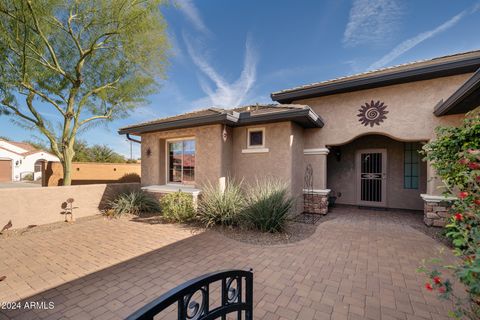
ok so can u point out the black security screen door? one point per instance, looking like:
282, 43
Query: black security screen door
372, 178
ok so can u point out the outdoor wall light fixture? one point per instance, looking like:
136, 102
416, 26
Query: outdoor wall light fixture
224, 133
149, 152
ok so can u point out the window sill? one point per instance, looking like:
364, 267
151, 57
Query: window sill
255, 150
171, 188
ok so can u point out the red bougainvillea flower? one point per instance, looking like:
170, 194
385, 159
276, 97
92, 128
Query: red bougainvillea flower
458, 216
441, 289
463, 194
463, 161
474, 165
437, 280
478, 178
477, 202
428, 286
469, 259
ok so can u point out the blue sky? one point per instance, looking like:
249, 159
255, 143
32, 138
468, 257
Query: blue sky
228, 53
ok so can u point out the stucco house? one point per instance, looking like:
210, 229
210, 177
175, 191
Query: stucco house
359, 134
17, 159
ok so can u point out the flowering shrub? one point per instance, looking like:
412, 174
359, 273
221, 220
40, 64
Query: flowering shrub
456, 157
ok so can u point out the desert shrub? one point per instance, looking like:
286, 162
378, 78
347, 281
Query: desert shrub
268, 205
28, 177
178, 207
132, 202
221, 207
455, 155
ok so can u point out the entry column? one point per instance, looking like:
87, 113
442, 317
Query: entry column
315, 192
436, 206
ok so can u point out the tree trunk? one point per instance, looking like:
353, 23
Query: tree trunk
67, 167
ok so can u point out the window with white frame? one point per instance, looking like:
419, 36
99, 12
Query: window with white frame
256, 138
181, 161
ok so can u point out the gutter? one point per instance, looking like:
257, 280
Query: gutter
305, 116
179, 124
132, 139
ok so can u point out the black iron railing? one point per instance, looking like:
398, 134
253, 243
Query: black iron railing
193, 298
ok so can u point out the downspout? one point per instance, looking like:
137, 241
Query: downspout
132, 139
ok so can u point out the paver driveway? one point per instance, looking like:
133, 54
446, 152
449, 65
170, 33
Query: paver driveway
360, 264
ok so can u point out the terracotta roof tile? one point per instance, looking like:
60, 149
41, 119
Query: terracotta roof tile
26, 146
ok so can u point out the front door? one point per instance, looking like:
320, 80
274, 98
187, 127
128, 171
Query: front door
371, 171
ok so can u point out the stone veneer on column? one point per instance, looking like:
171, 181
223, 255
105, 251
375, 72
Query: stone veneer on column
436, 210
316, 202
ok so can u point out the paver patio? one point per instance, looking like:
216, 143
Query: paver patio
358, 265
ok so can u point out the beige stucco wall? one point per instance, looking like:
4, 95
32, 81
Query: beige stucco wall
410, 115
410, 112
297, 166
36, 206
275, 163
92, 173
342, 175
283, 160
217, 158
211, 158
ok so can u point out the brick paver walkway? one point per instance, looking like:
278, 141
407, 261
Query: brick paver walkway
358, 265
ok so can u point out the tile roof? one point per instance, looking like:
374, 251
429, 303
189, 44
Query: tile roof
257, 109
23, 145
395, 68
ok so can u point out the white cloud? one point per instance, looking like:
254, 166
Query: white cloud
412, 42
175, 49
188, 8
225, 94
371, 21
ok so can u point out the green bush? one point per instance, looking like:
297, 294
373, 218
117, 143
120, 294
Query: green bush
223, 207
268, 205
177, 207
133, 202
28, 177
455, 155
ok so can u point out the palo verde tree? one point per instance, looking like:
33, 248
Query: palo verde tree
86, 61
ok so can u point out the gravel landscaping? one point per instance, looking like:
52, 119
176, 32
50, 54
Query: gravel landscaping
294, 232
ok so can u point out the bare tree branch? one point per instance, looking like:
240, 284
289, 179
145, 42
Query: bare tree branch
18, 112
45, 40
108, 115
74, 38
45, 97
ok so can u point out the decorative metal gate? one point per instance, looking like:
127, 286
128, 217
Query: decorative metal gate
194, 298
371, 181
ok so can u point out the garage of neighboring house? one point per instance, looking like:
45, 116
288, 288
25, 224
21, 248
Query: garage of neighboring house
5, 170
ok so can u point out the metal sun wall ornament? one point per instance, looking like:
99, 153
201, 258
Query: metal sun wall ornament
372, 113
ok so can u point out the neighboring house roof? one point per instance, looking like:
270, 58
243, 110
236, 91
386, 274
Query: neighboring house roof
460, 63
245, 115
29, 149
13, 153
466, 98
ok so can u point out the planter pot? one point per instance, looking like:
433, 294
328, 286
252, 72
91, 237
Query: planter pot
331, 201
